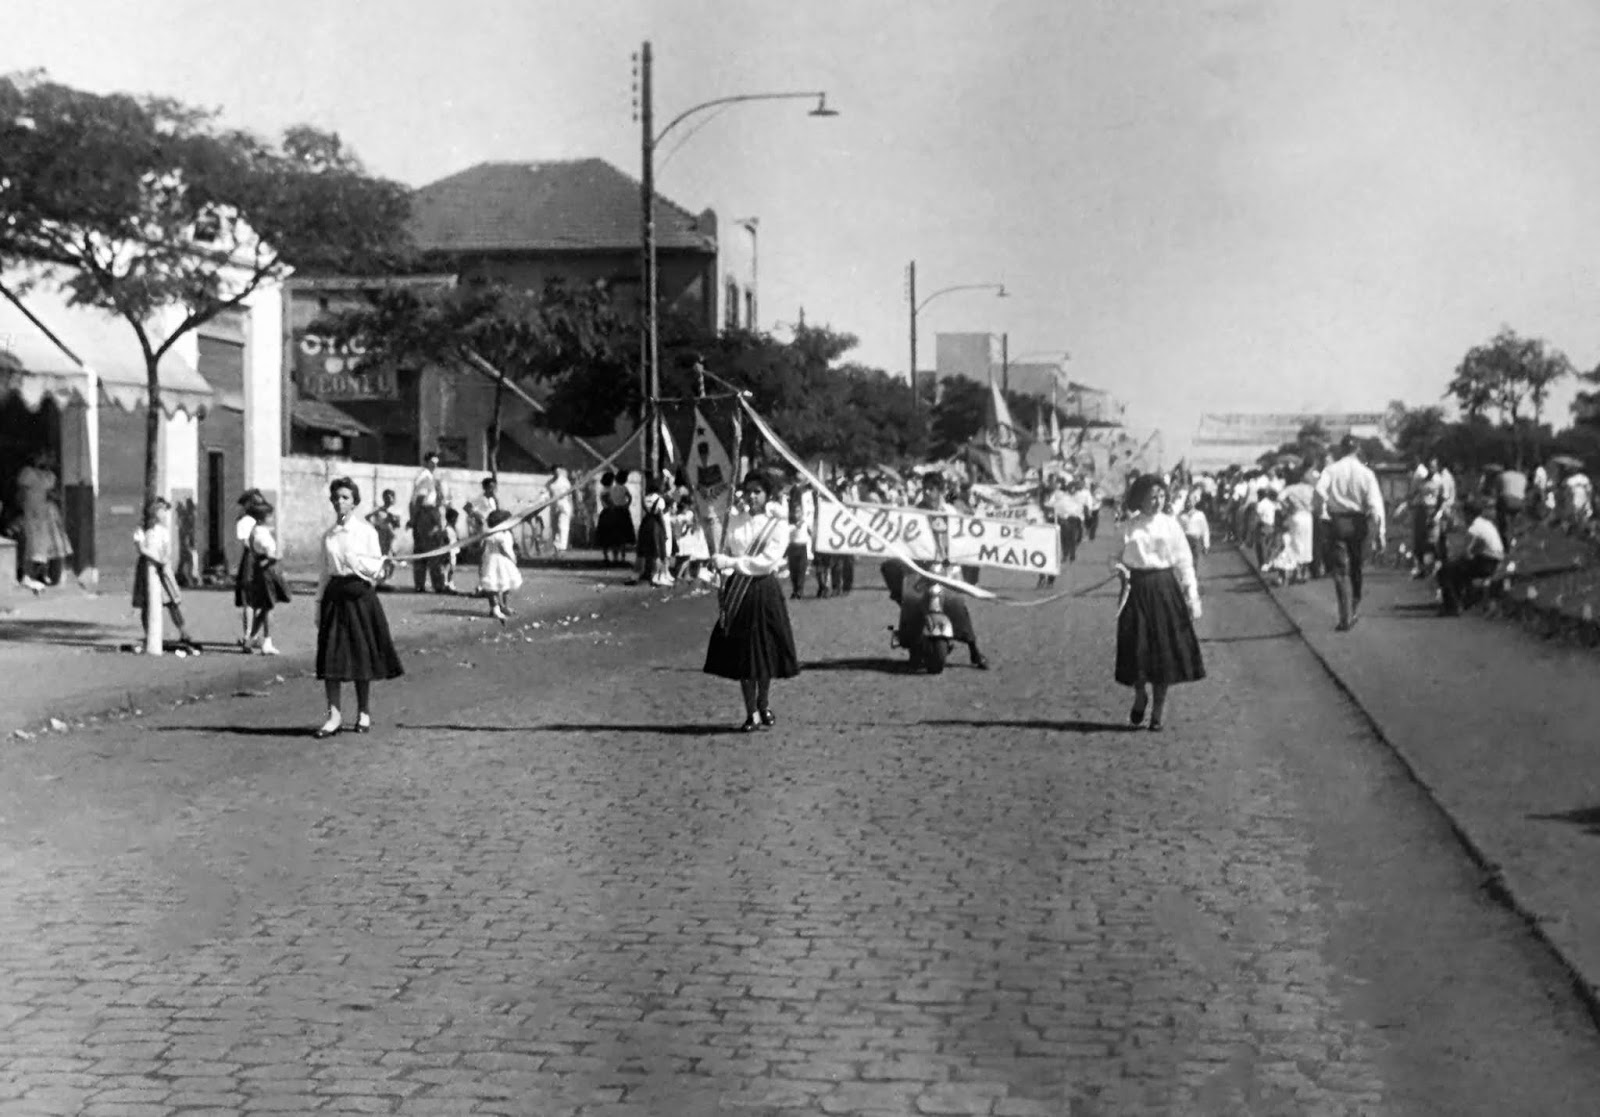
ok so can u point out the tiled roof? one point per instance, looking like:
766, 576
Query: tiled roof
563, 206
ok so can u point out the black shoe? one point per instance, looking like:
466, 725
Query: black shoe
980, 661
1155, 725
751, 724
768, 718
1136, 715
363, 723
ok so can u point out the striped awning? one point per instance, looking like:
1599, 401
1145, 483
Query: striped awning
47, 347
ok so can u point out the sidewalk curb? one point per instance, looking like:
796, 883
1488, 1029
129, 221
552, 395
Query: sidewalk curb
1495, 880
258, 672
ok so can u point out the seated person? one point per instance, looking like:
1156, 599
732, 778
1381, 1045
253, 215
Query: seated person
1484, 553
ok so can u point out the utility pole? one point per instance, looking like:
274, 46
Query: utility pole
649, 370
911, 281
1005, 362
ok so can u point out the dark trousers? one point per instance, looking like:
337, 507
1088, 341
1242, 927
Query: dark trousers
836, 574
1458, 574
797, 568
894, 576
1507, 509
427, 533
1347, 548
1091, 522
1071, 535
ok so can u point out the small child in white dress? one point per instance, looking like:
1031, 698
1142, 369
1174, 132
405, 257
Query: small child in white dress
497, 570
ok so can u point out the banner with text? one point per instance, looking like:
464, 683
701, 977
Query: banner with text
955, 537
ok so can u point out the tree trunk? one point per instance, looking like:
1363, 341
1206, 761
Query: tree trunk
494, 430
152, 435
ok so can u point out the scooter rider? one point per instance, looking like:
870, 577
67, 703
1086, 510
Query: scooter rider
935, 499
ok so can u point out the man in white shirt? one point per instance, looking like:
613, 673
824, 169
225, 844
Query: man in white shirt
1579, 496
1485, 552
429, 499
1351, 500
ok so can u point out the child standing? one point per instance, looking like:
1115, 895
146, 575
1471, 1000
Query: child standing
451, 538
799, 544
689, 540
386, 522
154, 542
267, 589
497, 570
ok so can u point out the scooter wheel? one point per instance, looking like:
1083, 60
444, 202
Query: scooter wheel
935, 652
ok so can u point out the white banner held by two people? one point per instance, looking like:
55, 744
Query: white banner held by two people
969, 540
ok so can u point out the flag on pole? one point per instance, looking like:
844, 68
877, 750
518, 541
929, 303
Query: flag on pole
1055, 427
669, 449
711, 476
999, 439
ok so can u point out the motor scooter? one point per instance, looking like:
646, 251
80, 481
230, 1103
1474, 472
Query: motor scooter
925, 630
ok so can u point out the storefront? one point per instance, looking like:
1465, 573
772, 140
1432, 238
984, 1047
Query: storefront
73, 396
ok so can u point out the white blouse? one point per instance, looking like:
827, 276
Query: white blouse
262, 542
1157, 543
349, 548
243, 527
744, 530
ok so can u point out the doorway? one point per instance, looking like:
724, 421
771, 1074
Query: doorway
216, 510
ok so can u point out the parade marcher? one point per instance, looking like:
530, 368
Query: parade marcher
266, 588
934, 499
1351, 500
561, 511
799, 554
1266, 525
688, 541
1091, 517
1485, 552
1298, 528
386, 522
753, 642
1578, 494
353, 641
429, 499
452, 557
655, 546
1196, 528
45, 547
1510, 492
242, 527
1160, 601
615, 529
498, 574
1539, 492
154, 543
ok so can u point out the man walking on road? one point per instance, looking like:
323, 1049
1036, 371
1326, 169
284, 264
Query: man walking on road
1351, 501
429, 499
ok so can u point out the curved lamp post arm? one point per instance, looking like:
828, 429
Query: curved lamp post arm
822, 108
998, 288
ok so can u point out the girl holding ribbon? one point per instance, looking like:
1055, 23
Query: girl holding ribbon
753, 642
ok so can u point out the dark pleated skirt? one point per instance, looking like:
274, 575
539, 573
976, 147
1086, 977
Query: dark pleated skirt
266, 587
614, 529
1155, 634
241, 580
755, 641
353, 642
653, 536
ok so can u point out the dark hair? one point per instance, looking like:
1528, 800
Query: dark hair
1349, 444
498, 516
622, 476
451, 515
347, 485
1473, 508
757, 479
434, 453
1142, 487
487, 481
261, 509
388, 494
152, 506
249, 497
606, 479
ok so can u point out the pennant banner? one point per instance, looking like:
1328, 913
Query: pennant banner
524, 516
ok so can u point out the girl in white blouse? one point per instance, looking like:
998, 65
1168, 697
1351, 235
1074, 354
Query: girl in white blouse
1160, 601
753, 641
353, 642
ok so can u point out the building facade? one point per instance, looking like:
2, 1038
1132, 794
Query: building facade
1241, 438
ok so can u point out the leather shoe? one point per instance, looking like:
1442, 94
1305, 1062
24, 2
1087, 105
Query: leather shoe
768, 718
751, 724
980, 661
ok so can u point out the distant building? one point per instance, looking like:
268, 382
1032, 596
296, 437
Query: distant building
1241, 438
981, 357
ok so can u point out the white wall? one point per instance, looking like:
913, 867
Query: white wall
263, 392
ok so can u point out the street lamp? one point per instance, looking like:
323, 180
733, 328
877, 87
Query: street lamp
916, 308
650, 140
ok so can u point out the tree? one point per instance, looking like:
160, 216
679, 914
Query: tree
1416, 432
564, 346
144, 207
1506, 374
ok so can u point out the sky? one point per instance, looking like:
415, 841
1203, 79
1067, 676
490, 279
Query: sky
1213, 205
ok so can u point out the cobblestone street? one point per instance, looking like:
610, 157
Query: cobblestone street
555, 881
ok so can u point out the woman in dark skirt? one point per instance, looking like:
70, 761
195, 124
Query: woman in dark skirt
1160, 601
353, 642
614, 529
752, 641
242, 527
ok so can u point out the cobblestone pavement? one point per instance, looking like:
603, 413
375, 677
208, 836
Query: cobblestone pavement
545, 886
